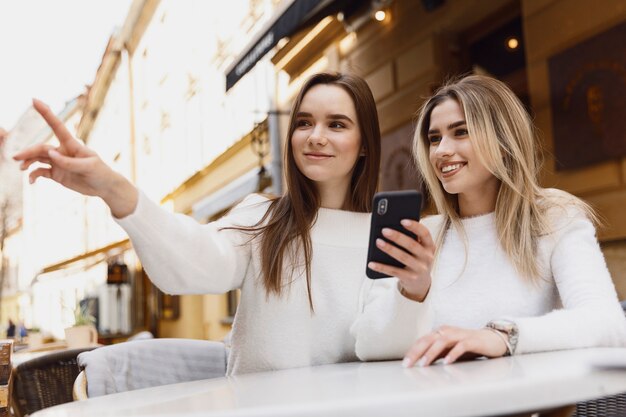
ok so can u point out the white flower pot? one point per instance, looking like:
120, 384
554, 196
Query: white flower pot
81, 336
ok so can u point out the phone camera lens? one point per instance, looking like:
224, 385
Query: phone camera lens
382, 207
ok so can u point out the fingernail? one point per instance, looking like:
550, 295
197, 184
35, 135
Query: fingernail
387, 232
53, 153
380, 242
406, 362
422, 362
446, 361
405, 222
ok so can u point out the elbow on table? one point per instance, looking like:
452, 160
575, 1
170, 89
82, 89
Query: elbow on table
378, 350
616, 328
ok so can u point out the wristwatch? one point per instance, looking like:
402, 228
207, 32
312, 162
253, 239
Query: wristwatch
508, 329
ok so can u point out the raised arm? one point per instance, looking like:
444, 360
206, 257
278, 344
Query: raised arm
75, 166
180, 255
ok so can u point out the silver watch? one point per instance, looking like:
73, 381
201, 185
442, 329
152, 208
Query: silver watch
509, 329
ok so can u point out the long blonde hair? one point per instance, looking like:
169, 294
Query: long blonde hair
505, 140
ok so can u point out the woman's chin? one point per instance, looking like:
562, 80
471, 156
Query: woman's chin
450, 189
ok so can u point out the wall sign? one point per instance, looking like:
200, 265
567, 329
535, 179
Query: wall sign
588, 94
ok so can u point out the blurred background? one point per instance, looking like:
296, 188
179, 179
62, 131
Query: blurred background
190, 100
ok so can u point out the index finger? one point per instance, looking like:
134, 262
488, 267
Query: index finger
71, 145
420, 231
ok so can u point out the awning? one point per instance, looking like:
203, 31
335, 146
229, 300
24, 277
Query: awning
290, 18
224, 198
120, 246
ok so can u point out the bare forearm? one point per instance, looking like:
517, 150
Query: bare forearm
121, 197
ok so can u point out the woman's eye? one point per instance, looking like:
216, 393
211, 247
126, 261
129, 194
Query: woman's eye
302, 123
462, 132
434, 139
337, 125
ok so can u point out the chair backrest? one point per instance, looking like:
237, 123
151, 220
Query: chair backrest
147, 363
45, 381
79, 392
6, 348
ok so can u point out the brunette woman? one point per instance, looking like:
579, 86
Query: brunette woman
298, 259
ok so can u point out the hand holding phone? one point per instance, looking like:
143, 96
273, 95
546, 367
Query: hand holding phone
399, 245
388, 210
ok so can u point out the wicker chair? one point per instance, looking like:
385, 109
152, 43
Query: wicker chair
45, 381
610, 406
6, 348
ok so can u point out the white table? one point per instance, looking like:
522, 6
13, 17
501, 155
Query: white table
482, 387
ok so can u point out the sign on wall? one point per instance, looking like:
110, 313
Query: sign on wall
397, 168
588, 94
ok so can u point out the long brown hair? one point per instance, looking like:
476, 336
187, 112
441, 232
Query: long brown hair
285, 227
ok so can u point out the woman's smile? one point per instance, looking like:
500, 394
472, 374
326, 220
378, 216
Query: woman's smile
317, 156
448, 169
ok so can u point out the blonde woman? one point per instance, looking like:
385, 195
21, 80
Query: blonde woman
515, 268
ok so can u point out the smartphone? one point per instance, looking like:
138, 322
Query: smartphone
388, 209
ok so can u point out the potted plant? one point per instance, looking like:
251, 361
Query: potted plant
35, 337
83, 332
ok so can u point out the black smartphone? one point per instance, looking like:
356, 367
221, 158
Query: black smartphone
388, 209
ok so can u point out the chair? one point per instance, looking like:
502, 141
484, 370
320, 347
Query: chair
147, 363
6, 347
45, 381
610, 406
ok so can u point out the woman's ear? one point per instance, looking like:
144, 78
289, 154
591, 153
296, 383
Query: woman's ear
362, 153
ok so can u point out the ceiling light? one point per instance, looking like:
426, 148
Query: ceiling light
512, 43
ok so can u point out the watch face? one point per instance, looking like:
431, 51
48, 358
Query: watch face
503, 325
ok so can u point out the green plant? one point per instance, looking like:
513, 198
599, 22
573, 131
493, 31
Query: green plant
82, 317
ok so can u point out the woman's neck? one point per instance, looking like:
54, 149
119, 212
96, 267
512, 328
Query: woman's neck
476, 204
333, 196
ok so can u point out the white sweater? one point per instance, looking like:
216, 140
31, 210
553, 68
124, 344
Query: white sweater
573, 305
184, 257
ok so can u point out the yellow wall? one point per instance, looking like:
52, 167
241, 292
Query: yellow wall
604, 184
215, 310
190, 314
201, 317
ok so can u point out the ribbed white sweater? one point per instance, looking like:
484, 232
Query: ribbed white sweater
184, 257
573, 305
